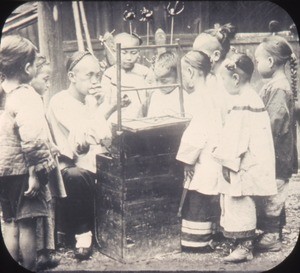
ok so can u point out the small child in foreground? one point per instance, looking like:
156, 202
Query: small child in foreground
278, 96
246, 154
25, 158
46, 257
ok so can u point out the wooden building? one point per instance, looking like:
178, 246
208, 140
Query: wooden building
51, 26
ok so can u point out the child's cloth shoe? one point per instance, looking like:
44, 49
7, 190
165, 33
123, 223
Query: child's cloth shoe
269, 242
243, 252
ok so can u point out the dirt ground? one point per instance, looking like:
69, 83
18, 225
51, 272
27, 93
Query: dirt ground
198, 262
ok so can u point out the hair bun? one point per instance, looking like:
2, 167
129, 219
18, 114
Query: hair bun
228, 30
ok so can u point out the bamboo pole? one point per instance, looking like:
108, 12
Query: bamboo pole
149, 46
172, 29
151, 87
118, 65
148, 32
85, 27
77, 26
181, 101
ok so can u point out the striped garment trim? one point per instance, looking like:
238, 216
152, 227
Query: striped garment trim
249, 108
194, 244
239, 234
196, 225
196, 231
196, 237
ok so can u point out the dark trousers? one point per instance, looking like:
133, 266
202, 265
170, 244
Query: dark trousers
75, 213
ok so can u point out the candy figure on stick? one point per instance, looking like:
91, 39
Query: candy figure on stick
173, 11
147, 15
129, 15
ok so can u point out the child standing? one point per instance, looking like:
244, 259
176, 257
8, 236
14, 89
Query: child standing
216, 44
199, 212
246, 154
133, 75
277, 94
45, 226
165, 101
25, 158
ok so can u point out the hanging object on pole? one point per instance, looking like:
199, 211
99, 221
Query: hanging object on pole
147, 15
129, 16
173, 11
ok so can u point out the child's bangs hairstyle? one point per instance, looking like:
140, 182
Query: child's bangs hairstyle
282, 52
223, 34
240, 62
166, 60
15, 53
198, 60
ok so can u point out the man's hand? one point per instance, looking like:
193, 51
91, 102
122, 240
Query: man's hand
125, 101
54, 149
226, 173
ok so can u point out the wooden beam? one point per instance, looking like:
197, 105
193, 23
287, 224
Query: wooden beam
26, 21
51, 42
22, 14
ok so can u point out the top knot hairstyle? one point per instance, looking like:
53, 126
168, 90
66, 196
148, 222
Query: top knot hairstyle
223, 34
15, 53
198, 60
282, 52
242, 62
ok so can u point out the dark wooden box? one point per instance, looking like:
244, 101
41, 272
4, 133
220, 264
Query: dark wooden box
138, 192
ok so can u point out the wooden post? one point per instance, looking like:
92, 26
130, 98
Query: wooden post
51, 42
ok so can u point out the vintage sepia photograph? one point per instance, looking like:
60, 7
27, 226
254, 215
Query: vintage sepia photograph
149, 136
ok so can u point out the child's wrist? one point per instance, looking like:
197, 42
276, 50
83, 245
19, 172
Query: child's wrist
32, 171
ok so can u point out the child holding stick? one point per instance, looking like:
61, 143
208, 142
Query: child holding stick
25, 158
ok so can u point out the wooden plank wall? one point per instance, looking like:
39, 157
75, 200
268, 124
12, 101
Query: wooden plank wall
197, 16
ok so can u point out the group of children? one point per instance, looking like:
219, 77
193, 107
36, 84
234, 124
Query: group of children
238, 151
246, 154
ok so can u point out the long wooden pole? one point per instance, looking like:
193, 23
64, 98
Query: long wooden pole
181, 101
172, 30
77, 26
148, 32
85, 27
118, 65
